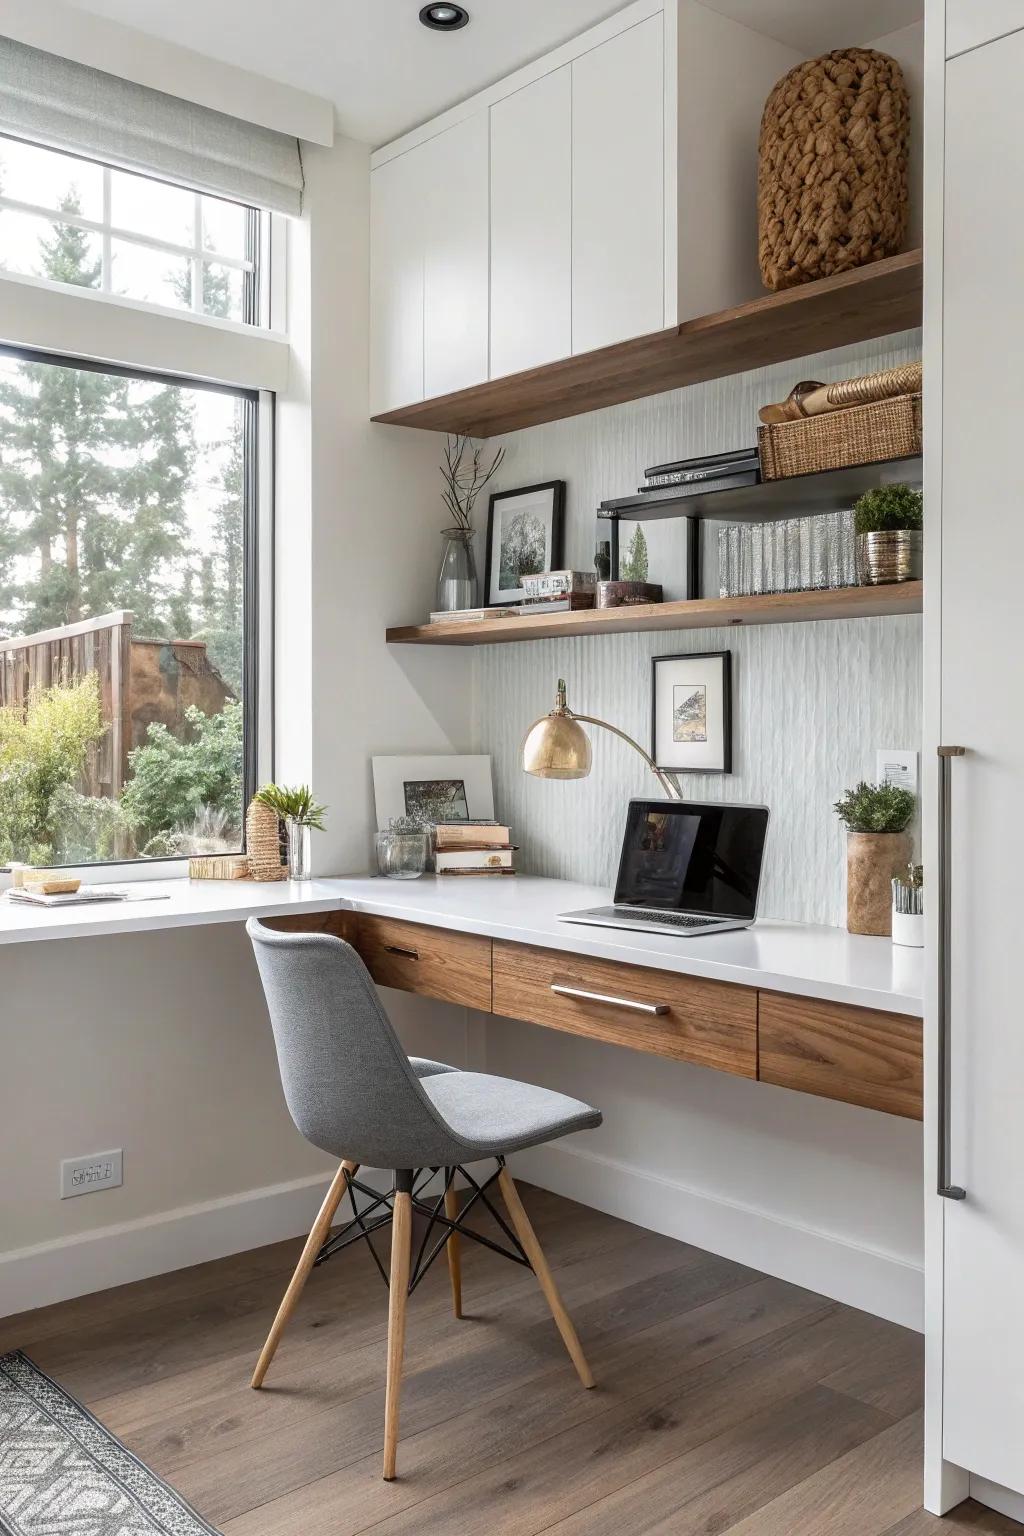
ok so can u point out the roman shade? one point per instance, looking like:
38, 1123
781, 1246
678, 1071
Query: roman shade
69, 106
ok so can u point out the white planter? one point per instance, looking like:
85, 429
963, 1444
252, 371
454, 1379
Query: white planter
908, 929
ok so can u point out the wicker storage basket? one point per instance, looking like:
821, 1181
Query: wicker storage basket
832, 167
862, 434
263, 843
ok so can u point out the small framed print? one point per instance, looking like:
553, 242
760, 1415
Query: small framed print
524, 537
691, 712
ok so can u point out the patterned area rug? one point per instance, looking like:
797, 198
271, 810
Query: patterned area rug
63, 1474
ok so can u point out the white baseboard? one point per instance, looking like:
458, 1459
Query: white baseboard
861, 1277
1005, 1500
154, 1245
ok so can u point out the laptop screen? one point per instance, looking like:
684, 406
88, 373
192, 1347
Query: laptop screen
692, 856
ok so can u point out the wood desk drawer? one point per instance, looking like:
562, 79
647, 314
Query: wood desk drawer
859, 1055
708, 1022
417, 958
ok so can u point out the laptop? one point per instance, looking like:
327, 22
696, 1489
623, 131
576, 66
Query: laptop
687, 867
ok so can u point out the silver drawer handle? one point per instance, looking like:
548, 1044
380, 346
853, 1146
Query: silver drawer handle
603, 997
396, 949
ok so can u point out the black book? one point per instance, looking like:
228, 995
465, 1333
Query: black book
744, 456
714, 480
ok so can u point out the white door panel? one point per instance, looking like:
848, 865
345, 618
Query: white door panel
453, 172
396, 285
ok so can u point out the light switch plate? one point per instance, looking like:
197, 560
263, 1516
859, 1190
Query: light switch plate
98, 1170
897, 765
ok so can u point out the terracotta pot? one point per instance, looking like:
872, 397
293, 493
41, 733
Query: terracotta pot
872, 860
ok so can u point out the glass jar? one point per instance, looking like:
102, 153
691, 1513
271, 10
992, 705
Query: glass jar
457, 585
401, 855
298, 850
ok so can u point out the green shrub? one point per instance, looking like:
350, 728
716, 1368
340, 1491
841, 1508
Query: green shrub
174, 780
876, 808
43, 749
888, 507
87, 828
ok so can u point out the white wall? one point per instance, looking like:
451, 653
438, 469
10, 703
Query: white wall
160, 1043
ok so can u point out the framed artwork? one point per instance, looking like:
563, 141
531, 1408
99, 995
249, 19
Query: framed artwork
453, 788
524, 537
691, 712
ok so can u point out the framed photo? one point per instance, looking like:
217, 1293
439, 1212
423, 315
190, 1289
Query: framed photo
453, 788
691, 712
524, 537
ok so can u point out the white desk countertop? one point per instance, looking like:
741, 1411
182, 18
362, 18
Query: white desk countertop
800, 958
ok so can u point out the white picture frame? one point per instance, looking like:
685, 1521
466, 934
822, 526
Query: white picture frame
399, 788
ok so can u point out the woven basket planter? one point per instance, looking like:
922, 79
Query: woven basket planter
832, 167
263, 843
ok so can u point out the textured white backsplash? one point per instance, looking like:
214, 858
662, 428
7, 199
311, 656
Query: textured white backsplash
812, 702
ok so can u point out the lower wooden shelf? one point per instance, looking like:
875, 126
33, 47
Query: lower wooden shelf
702, 613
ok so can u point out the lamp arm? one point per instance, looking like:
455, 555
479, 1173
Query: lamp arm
670, 787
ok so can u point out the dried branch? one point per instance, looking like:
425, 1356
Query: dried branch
465, 480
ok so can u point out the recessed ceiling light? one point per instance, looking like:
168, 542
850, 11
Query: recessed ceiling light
444, 18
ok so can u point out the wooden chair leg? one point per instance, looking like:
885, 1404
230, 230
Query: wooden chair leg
314, 1242
528, 1237
398, 1296
451, 1210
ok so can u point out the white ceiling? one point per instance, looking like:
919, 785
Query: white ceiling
385, 73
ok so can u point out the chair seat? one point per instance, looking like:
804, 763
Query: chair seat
497, 1115
424, 1067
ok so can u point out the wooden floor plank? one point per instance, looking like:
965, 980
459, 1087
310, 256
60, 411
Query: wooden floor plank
967, 1517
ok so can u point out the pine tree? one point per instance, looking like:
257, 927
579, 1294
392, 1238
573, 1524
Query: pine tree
94, 472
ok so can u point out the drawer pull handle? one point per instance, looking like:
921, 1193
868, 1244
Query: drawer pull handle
604, 997
396, 949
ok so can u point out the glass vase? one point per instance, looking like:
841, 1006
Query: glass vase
401, 855
298, 850
457, 585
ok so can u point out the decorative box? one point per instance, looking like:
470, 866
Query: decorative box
547, 584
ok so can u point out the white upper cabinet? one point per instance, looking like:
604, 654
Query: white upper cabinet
969, 23
618, 188
452, 169
531, 225
600, 193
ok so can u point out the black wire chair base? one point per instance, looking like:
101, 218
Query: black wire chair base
379, 1213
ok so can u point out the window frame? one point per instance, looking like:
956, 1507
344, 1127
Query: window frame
257, 582
255, 284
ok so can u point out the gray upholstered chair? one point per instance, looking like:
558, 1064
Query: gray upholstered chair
353, 1092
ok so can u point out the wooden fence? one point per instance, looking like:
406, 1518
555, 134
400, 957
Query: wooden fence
103, 646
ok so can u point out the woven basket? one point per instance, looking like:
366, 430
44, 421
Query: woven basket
832, 167
263, 843
862, 434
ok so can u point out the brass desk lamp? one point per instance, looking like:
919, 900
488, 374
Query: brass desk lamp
557, 746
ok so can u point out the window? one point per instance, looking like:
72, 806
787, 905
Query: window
73, 221
127, 607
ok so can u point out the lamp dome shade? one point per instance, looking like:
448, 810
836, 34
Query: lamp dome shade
557, 747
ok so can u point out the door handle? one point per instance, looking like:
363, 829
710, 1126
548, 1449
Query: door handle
396, 949
947, 1189
603, 997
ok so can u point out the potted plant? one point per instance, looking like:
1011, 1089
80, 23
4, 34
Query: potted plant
877, 848
908, 908
301, 814
888, 523
631, 585
465, 476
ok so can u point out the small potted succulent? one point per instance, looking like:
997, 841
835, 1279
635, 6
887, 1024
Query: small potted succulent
908, 908
888, 521
631, 586
878, 847
301, 814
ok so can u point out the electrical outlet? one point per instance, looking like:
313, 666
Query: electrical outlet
897, 765
82, 1175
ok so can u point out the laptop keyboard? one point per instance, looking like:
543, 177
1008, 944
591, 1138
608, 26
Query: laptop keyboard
670, 919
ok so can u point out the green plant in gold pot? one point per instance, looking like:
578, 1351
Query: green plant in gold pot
878, 848
888, 523
301, 814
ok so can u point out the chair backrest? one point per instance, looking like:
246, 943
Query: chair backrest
347, 1080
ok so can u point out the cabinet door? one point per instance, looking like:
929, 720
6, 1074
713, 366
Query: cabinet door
531, 225
982, 663
453, 176
618, 189
396, 284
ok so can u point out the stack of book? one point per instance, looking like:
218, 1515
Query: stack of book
711, 471
473, 848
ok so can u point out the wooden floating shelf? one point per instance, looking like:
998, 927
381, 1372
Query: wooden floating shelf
833, 312
702, 613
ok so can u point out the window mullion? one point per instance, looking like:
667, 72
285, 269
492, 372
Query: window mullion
197, 255
107, 273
